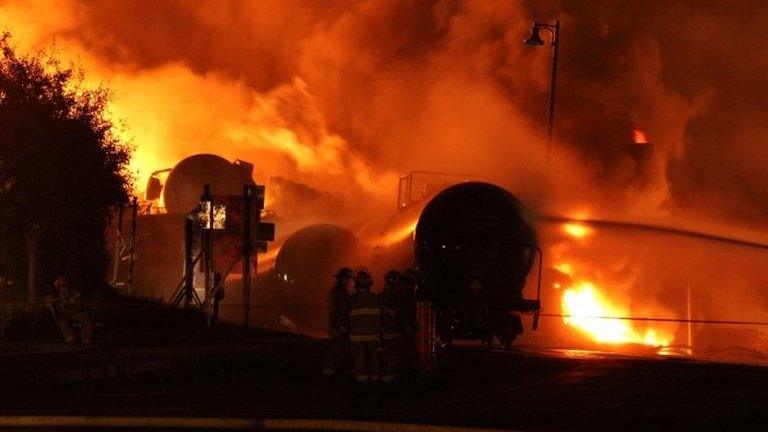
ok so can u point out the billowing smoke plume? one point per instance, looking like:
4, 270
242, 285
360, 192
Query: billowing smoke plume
332, 100
344, 95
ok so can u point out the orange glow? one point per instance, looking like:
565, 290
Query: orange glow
400, 234
564, 267
640, 137
586, 308
577, 230
267, 260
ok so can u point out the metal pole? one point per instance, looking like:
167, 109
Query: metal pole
248, 191
410, 191
688, 301
553, 82
118, 246
189, 271
134, 213
207, 243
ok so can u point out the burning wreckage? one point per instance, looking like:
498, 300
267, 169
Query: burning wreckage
468, 239
472, 242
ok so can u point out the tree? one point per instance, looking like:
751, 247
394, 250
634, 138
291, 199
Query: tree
62, 169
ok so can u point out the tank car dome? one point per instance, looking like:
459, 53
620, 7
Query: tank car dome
475, 234
185, 182
304, 270
311, 256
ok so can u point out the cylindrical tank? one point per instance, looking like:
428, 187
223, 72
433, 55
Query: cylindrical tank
160, 237
474, 236
185, 182
471, 235
303, 273
474, 248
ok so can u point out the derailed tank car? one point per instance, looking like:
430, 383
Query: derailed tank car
474, 247
159, 242
303, 275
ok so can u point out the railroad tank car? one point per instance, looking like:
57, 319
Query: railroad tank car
474, 246
474, 232
159, 241
303, 275
184, 185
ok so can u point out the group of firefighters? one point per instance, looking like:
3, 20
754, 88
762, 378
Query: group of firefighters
377, 329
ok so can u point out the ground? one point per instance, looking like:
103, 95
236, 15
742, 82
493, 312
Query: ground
524, 389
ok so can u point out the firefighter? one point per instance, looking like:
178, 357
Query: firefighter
364, 328
70, 311
393, 324
338, 321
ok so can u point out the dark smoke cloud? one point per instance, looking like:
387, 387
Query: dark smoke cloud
254, 41
448, 85
698, 65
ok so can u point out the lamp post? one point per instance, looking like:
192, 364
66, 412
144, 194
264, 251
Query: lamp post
535, 40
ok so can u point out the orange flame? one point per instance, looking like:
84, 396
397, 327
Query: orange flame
640, 137
577, 230
399, 234
586, 309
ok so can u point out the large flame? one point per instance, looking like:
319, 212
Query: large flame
585, 308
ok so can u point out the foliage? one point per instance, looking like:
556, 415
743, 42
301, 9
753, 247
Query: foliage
62, 169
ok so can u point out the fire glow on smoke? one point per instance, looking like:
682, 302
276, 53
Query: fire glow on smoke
640, 137
586, 307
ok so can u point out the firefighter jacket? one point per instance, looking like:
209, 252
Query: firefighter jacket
392, 315
338, 320
364, 317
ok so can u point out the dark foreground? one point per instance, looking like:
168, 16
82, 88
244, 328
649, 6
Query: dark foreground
526, 389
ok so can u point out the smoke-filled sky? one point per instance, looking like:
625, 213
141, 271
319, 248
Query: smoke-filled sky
346, 95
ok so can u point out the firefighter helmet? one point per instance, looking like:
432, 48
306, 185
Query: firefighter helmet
344, 272
363, 279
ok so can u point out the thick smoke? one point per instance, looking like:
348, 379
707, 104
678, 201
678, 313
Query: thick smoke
333, 100
343, 96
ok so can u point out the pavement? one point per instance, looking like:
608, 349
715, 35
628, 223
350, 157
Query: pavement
524, 389
53, 362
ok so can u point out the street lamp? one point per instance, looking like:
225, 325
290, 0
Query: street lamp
535, 40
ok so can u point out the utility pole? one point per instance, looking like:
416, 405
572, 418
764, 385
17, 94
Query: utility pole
118, 246
207, 241
132, 244
189, 271
248, 192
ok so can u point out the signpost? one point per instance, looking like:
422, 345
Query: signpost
231, 233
